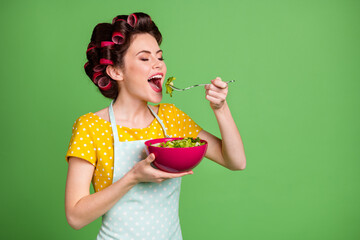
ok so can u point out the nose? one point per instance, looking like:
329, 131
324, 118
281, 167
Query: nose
158, 64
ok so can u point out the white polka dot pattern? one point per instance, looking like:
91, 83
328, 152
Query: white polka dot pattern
96, 146
148, 210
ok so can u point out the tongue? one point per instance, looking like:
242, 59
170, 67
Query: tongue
155, 85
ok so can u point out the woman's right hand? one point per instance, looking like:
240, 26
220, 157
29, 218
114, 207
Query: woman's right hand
144, 172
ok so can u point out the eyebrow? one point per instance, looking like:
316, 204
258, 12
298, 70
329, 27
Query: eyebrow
145, 51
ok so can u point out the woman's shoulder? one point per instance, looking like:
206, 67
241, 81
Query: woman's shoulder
103, 114
91, 118
84, 117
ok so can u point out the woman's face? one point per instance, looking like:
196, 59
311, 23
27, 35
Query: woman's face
144, 69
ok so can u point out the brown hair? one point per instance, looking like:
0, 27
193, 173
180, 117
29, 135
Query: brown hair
118, 36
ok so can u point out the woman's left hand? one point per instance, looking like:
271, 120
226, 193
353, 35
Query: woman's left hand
216, 93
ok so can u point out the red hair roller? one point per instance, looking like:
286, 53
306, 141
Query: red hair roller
86, 64
91, 45
99, 68
90, 49
95, 76
132, 20
104, 61
106, 43
104, 83
118, 38
116, 19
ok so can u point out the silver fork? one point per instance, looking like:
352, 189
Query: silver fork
197, 85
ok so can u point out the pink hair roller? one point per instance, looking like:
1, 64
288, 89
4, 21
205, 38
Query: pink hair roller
118, 19
104, 61
99, 68
132, 20
95, 77
90, 49
106, 43
86, 64
118, 38
104, 83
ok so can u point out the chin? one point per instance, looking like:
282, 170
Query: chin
156, 99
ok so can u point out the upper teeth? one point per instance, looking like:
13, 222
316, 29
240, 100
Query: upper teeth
155, 76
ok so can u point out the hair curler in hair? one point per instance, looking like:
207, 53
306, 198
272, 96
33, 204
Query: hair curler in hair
104, 61
99, 68
96, 76
86, 64
132, 20
90, 49
91, 46
117, 19
104, 83
118, 38
106, 43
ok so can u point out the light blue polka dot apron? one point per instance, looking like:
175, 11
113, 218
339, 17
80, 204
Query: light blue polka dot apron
149, 210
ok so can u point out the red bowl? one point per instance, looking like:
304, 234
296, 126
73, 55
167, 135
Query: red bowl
175, 160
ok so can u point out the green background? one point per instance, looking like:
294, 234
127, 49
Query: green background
296, 103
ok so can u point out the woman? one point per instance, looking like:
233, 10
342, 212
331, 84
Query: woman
136, 200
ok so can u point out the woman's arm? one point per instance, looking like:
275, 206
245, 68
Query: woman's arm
228, 152
82, 208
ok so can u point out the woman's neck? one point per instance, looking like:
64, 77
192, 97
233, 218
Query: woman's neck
130, 112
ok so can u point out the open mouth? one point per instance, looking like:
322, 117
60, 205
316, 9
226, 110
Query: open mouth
155, 82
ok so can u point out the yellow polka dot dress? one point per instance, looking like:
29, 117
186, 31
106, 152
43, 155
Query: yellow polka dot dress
92, 138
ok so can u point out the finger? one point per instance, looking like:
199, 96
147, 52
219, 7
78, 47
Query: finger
213, 100
218, 95
216, 84
219, 83
150, 158
176, 175
218, 89
207, 86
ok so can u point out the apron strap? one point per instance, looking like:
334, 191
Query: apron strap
113, 122
159, 120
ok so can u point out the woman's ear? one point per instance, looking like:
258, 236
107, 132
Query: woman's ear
114, 72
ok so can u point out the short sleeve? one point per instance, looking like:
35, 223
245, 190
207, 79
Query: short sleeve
186, 126
81, 143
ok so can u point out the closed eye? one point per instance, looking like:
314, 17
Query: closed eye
146, 59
